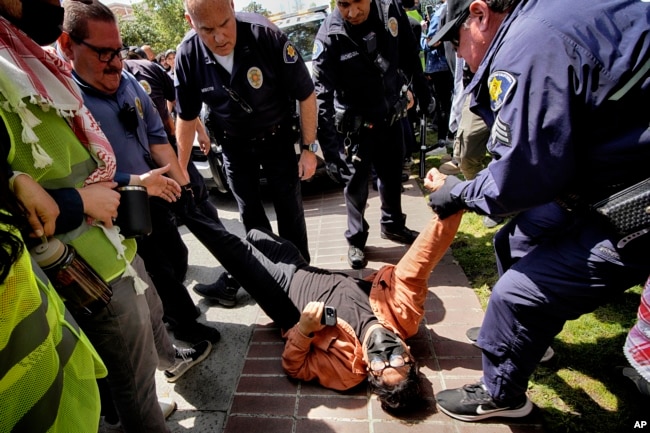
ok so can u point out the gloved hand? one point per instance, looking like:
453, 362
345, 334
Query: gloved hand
426, 104
442, 202
338, 170
431, 108
185, 202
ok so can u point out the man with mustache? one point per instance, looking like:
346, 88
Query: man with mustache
133, 126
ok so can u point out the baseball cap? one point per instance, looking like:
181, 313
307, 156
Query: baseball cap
457, 13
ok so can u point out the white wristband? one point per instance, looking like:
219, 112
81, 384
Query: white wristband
13, 177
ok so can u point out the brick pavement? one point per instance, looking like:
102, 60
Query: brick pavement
241, 388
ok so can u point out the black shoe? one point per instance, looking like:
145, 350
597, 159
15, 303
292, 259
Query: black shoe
187, 358
474, 403
639, 381
223, 291
356, 258
472, 334
196, 332
403, 236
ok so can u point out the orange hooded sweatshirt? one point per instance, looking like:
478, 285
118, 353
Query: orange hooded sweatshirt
334, 356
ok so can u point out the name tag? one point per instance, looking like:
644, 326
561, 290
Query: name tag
349, 56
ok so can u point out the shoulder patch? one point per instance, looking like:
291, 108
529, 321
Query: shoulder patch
255, 77
138, 107
146, 86
317, 50
393, 26
500, 83
290, 53
501, 132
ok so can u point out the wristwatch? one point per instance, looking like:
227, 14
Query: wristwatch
312, 147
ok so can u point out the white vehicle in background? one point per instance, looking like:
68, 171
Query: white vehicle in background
301, 28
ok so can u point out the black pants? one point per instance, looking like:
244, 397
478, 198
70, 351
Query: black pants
166, 257
277, 156
442, 85
381, 147
266, 279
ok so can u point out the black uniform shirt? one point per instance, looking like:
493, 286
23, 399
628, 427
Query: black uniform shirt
156, 82
268, 75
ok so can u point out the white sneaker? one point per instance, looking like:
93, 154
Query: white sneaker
639, 381
187, 358
167, 406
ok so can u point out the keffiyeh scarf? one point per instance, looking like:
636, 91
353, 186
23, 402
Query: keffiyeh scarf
637, 345
30, 74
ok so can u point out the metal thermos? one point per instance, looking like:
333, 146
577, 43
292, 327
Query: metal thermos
133, 214
82, 289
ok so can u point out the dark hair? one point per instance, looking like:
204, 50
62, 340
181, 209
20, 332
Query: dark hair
78, 15
501, 5
139, 52
403, 397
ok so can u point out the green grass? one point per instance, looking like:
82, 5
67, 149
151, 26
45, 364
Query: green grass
579, 390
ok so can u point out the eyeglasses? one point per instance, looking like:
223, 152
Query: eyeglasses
377, 365
105, 55
462, 19
238, 99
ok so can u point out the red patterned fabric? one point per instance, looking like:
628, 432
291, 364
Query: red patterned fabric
31, 74
637, 345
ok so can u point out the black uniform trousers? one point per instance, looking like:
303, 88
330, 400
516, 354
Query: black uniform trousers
267, 280
166, 256
381, 147
276, 154
442, 88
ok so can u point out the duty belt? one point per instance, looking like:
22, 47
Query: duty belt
269, 132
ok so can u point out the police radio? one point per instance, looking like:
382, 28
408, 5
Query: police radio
370, 42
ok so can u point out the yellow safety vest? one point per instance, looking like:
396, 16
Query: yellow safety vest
48, 368
72, 165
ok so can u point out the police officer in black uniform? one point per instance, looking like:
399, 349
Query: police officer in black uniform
250, 76
365, 56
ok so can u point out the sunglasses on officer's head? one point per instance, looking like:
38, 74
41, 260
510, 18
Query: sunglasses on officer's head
238, 99
454, 38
